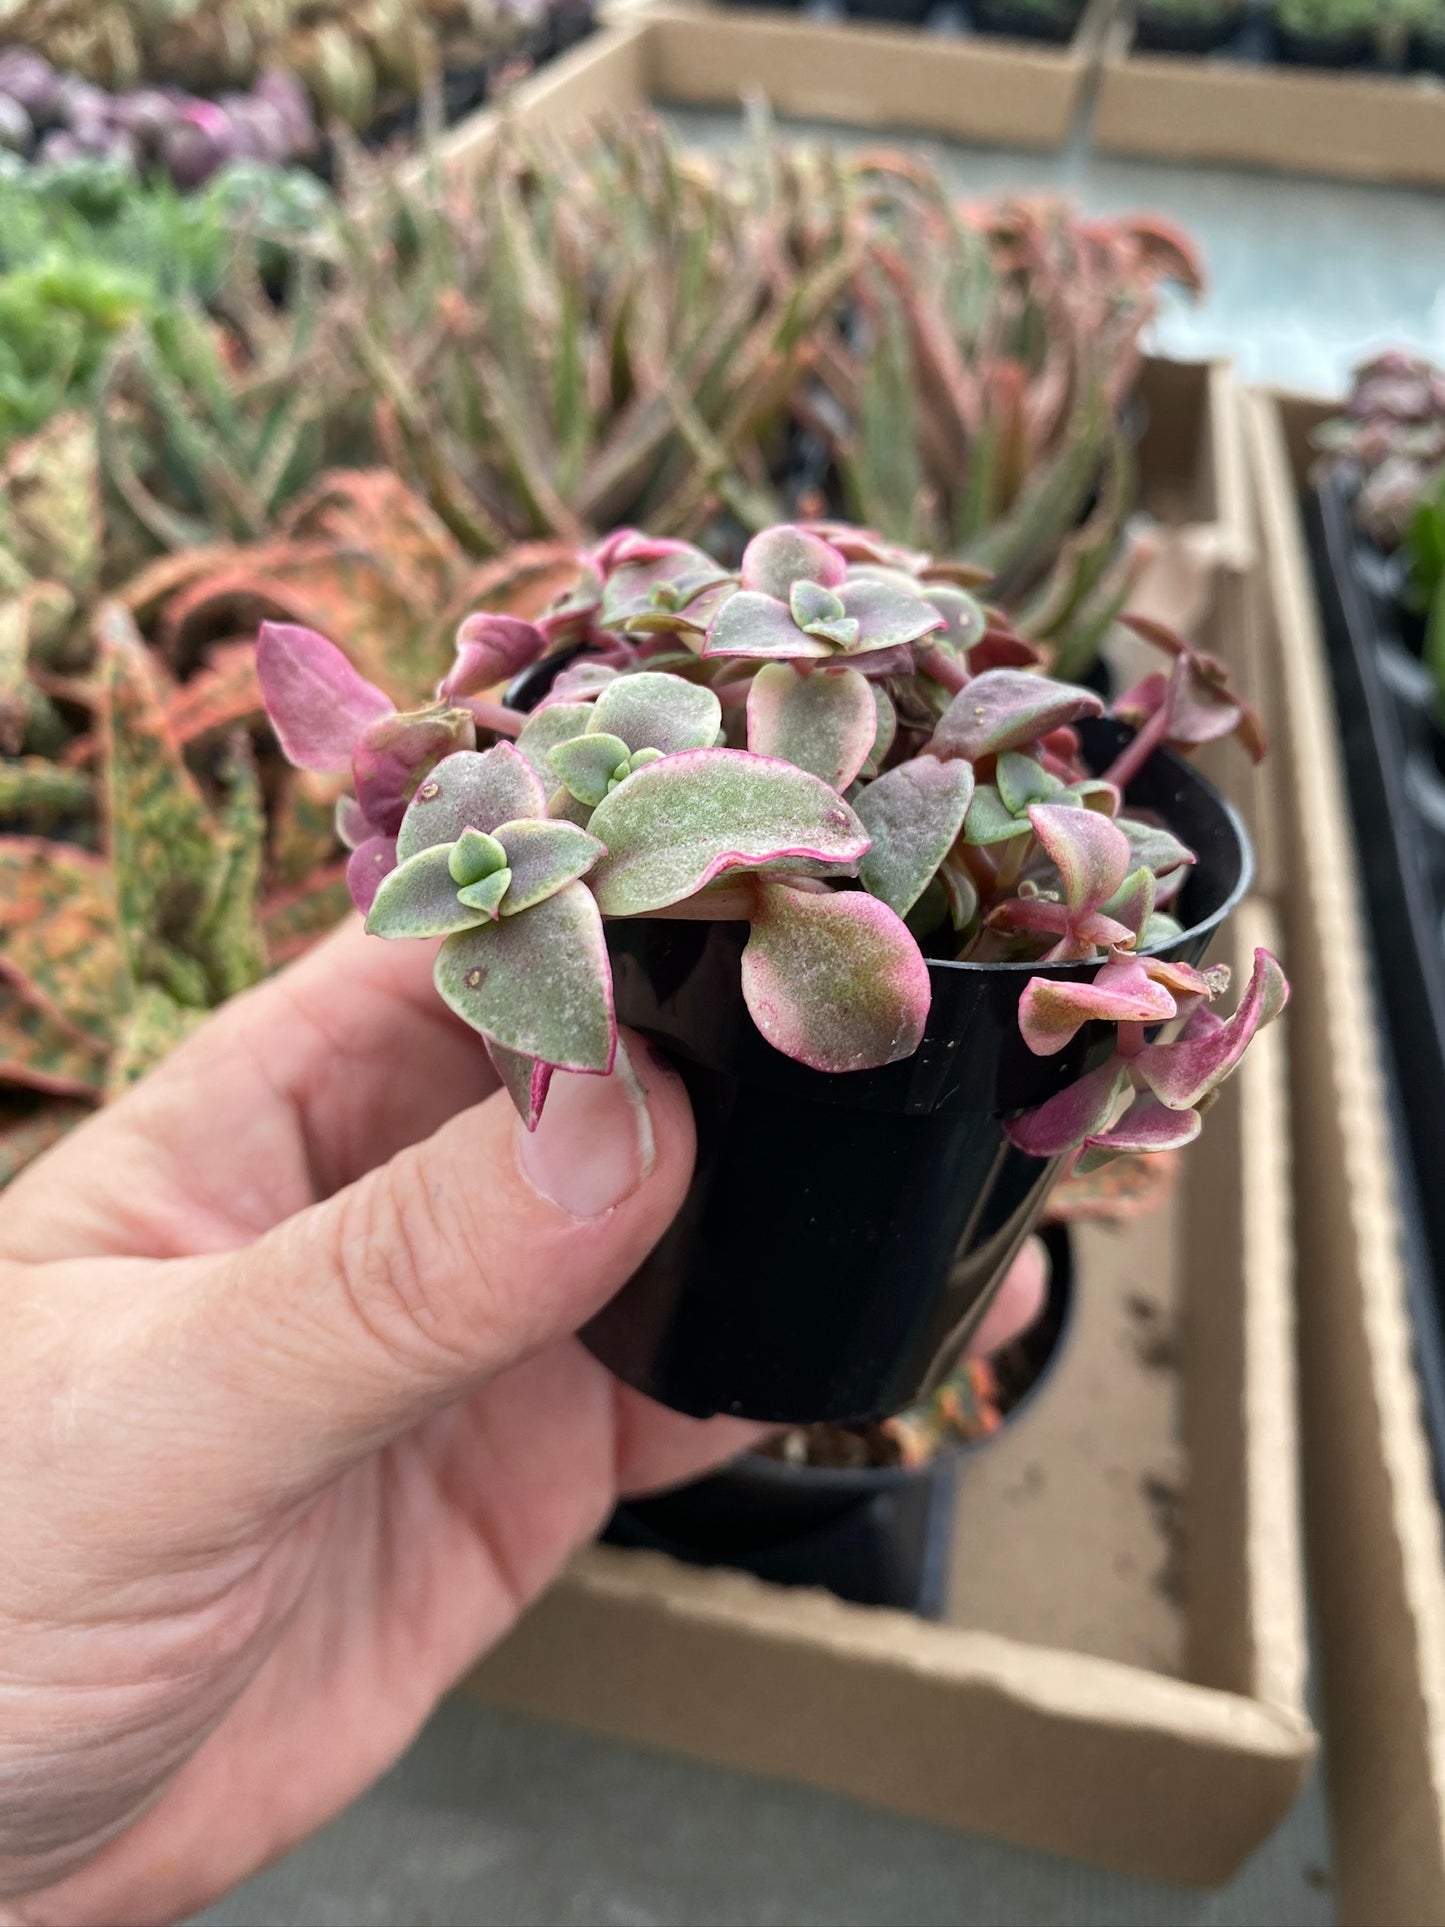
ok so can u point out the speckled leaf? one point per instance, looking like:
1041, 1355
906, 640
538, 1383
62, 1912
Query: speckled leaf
587, 764
677, 824
543, 858
419, 899
58, 933
1052, 1012
228, 940
1008, 709
824, 722
36, 792
538, 984
476, 788
653, 711
296, 918
1083, 1110
834, 979
557, 723
154, 1027
754, 625
39, 1053
914, 815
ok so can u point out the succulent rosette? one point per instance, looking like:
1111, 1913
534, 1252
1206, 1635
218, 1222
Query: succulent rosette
839, 744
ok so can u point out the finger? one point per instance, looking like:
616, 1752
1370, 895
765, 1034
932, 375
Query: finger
1020, 1302
282, 1364
291, 1092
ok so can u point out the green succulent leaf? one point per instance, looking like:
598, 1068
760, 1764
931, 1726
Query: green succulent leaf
990, 820
654, 711
419, 899
487, 893
538, 984
1022, 780
824, 721
587, 764
542, 732
473, 789
543, 858
679, 823
473, 856
914, 815
752, 624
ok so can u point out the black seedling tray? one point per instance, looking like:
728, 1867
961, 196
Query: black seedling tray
1394, 757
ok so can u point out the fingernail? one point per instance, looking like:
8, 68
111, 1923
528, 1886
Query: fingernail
594, 1143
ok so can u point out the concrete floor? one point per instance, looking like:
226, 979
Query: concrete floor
495, 1819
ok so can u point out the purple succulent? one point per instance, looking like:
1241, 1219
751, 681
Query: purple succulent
839, 746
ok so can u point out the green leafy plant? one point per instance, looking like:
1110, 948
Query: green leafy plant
742, 746
1329, 19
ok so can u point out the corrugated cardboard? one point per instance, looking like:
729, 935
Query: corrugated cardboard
1374, 127
1375, 1540
973, 88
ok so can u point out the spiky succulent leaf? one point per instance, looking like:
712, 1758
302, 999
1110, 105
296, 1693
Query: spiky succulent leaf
1008, 709
419, 899
677, 824
317, 702
654, 711
824, 722
834, 979
538, 984
474, 789
914, 814
543, 858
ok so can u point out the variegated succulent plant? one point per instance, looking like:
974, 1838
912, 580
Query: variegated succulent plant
839, 745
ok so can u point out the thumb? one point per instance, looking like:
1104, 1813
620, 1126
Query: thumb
464, 1254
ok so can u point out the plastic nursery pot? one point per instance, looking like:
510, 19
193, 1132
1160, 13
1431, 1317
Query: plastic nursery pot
1021, 19
898, 13
876, 1535
844, 1234
1353, 49
1162, 30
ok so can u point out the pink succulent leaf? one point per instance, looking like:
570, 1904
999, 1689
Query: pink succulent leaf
419, 899
571, 616
526, 1080
490, 649
650, 710
887, 617
544, 730
1022, 780
877, 664
485, 894
632, 545
1008, 709
1031, 916
1155, 847
1002, 649
885, 730
397, 751
317, 703
1143, 700
367, 865
543, 858
963, 616
834, 979
1146, 1127
820, 612
1090, 852
588, 765
1132, 904
779, 557
1183, 1073
913, 814
674, 826
352, 827
1052, 1012
579, 682
824, 722
990, 820
866, 548
538, 984
475, 789
1084, 1110
642, 591
756, 625
1093, 793
1184, 982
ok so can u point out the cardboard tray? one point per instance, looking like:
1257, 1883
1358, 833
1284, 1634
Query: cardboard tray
1374, 1526
969, 87
1361, 126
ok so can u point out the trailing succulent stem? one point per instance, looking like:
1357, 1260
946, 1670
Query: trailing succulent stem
837, 744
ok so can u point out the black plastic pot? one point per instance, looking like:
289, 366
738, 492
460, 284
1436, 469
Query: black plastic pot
1159, 30
896, 13
1016, 19
1393, 756
1294, 49
877, 1536
843, 1235
1427, 52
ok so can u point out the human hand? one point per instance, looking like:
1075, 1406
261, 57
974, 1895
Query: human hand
292, 1423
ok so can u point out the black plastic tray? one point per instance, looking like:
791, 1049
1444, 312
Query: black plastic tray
1394, 755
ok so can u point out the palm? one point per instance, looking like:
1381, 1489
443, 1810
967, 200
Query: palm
355, 1610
